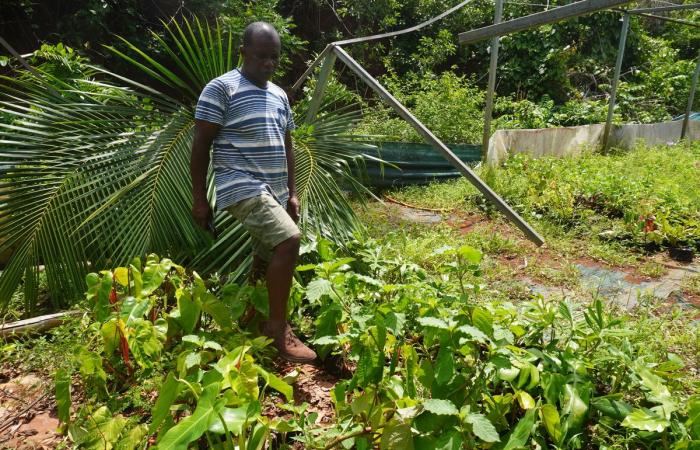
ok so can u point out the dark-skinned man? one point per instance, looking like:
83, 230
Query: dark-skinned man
248, 121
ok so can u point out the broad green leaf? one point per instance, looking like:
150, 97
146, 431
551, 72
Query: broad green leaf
574, 407
483, 320
154, 274
166, 397
612, 407
145, 342
552, 422
110, 336
521, 433
444, 366
450, 440
525, 400
189, 312
474, 333
482, 427
276, 383
218, 311
470, 254
234, 418
318, 288
101, 433
258, 437
132, 439
193, 427
133, 310
63, 396
396, 436
645, 420
433, 322
121, 276
440, 407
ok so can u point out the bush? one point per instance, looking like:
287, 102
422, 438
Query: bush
451, 106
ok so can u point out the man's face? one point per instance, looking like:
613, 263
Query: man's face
261, 57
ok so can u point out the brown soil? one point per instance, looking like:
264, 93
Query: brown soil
28, 414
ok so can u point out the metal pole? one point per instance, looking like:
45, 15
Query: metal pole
320, 89
493, 66
309, 70
666, 8
437, 143
541, 18
691, 95
616, 79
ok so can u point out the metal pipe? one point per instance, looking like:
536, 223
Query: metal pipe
691, 97
440, 146
309, 70
667, 19
405, 30
541, 18
321, 84
493, 66
616, 79
665, 8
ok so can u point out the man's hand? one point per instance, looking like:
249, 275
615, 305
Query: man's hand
203, 216
293, 207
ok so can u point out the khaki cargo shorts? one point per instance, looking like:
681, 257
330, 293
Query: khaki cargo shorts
267, 222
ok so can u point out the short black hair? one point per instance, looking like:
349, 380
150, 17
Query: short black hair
258, 29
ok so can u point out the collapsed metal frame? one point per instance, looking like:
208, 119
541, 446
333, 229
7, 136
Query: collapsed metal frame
647, 12
333, 51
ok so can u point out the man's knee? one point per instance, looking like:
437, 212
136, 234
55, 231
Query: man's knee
289, 247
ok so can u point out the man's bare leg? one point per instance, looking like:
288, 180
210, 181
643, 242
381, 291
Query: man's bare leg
279, 279
279, 282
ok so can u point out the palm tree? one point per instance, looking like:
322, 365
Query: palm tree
95, 171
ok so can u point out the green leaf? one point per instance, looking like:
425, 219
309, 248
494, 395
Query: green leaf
470, 254
193, 427
483, 320
520, 434
552, 422
218, 311
611, 406
396, 436
276, 383
121, 276
444, 367
525, 400
440, 407
189, 312
433, 322
318, 288
133, 439
154, 274
234, 418
575, 406
166, 397
482, 427
450, 440
474, 333
645, 420
63, 396
110, 336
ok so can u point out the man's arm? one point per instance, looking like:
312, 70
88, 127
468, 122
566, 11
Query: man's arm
293, 202
204, 134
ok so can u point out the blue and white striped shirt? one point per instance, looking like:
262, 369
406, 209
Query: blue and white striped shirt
249, 156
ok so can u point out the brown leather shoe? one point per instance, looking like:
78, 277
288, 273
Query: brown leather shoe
288, 344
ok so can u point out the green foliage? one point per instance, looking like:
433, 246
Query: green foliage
449, 105
161, 319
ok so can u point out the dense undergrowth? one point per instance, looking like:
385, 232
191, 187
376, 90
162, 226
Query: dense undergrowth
645, 198
440, 361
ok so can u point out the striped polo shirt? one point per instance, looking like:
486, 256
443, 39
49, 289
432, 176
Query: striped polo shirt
249, 156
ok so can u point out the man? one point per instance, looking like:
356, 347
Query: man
248, 119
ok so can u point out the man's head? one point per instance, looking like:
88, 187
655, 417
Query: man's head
260, 51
